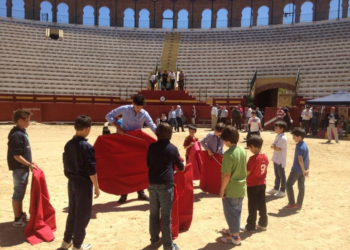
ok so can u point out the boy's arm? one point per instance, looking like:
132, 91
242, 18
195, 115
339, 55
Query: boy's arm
225, 178
301, 164
248, 173
24, 162
94, 180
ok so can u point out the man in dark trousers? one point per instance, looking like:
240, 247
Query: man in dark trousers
332, 119
164, 80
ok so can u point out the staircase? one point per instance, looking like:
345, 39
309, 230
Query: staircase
170, 51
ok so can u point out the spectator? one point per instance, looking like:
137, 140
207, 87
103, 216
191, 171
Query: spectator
164, 80
248, 115
287, 117
236, 118
280, 114
172, 79
172, 118
224, 114
333, 119
306, 117
179, 113
347, 131
159, 78
314, 121
152, 81
194, 115
214, 116
219, 114
181, 80
163, 118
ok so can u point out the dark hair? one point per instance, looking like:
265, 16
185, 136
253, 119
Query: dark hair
299, 132
230, 134
281, 124
82, 122
253, 112
255, 141
139, 100
20, 114
219, 127
164, 131
192, 128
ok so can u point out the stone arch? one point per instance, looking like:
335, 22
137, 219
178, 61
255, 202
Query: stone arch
182, 20
335, 9
168, 19
18, 9
144, 20
206, 19
104, 16
289, 13
246, 17
306, 14
274, 85
45, 11
263, 16
88, 15
129, 18
62, 13
222, 18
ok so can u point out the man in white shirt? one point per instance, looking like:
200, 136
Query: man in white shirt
152, 81
172, 79
223, 116
306, 115
248, 114
214, 116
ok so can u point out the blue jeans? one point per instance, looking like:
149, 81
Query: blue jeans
280, 180
161, 203
20, 181
232, 211
292, 178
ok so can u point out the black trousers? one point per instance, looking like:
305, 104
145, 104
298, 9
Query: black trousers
179, 124
164, 85
224, 120
237, 123
287, 120
172, 82
256, 202
152, 85
79, 211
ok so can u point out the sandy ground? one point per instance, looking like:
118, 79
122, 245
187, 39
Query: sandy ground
323, 223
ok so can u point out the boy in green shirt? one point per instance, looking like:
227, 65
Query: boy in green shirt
233, 184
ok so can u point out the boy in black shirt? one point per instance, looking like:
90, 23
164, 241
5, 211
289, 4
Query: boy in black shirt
19, 160
161, 157
79, 167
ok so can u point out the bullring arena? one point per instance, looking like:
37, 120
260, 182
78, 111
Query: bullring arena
60, 66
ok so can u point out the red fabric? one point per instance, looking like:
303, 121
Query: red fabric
257, 165
188, 141
182, 211
121, 162
196, 160
42, 221
211, 173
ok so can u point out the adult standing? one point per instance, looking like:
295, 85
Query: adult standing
287, 117
172, 118
314, 121
242, 115
214, 116
219, 114
332, 121
248, 115
181, 80
159, 79
179, 113
152, 81
164, 80
236, 118
224, 114
194, 115
172, 79
134, 116
306, 117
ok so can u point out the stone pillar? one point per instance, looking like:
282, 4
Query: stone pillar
230, 18
96, 13
9, 8
137, 16
345, 8
54, 12
191, 15
255, 17
297, 13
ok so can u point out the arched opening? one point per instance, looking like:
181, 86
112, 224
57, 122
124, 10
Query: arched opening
62, 13
104, 18
306, 12
3, 8
168, 19
46, 12
206, 19
222, 19
246, 17
289, 14
88, 15
144, 21
263, 16
335, 9
267, 98
18, 9
182, 20
129, 18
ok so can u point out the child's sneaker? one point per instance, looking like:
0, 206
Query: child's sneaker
290, 206
261, 227
25, 217
244, 229
175, 247
83, 247
20, 223
231, 240
66, 245
272, 191
280, 194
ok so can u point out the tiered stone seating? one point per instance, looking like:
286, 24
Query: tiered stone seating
211, 58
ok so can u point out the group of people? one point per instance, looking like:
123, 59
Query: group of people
159, 80
79, 167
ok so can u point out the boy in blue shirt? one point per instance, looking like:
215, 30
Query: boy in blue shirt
300, 170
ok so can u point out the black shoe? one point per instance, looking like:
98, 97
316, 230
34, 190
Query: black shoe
143, 197
122, 199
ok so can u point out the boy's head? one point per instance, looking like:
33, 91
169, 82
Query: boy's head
255, 143
139, 101
298, 134
164, 131
219, 128
192, 130
280, 127
83, 125
229, 135
253, 113
21, 117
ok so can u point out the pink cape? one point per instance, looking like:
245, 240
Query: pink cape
121, 162
42, 222
196, 160
211, 173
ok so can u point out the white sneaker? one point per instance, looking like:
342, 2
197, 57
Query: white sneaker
260, 227
272, 191
66, 245
20, 223
280, 194
83, 247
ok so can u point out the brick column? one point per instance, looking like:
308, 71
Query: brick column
345, 8
9, 8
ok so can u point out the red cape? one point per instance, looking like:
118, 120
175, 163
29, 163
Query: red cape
196, 160
211, 173
42, 222
121, 162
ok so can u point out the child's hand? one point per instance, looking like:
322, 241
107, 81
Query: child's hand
210, 153
306, 173
97, 192
272, 146
32, 166
222, 194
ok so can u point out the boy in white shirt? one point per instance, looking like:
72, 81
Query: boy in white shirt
279, 159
